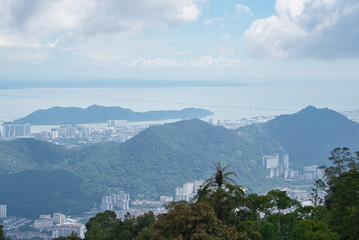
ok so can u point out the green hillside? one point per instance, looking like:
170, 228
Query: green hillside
34, 192
161, 158
24, 154
164, 157
308, 135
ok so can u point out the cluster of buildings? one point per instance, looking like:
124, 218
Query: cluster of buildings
235, 124
11, 223
11, 131
116, 130
277, 168
59, 225
187, 191
120, 201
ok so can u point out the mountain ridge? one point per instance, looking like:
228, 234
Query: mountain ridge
309, 134
161, 158
99, 114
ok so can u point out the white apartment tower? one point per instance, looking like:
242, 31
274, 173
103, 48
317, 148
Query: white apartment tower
3, 211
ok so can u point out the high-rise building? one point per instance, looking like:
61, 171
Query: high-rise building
62, 131
70, 131
188, 188
106, 205
286, 160
58, 218
121, 201
272, 161
3, 211
19, 130
27, 130
16, 130
9, 131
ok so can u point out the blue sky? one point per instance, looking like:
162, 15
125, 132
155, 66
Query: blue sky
234, 40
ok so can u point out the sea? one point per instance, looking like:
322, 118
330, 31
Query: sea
253, 99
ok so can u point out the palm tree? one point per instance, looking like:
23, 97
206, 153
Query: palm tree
221, 177
224, 200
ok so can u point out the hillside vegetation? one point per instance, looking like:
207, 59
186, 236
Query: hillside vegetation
161, 158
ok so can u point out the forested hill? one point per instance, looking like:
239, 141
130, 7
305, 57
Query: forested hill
99, 114
308, 135
161, 158
151, 164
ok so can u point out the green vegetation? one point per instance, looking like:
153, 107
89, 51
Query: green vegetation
34, 192
223, 210
161, 158
100, 114
307, 136
2, 237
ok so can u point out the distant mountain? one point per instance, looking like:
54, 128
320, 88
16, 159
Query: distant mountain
99, 114
161, 158
308, 135
151, 164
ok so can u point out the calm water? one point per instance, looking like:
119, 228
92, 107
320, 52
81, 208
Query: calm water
227, 103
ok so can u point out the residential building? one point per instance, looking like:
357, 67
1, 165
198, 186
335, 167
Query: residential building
3, 213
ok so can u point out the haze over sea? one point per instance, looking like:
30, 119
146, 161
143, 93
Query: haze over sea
228, 102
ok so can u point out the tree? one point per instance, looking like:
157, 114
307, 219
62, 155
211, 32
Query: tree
190, 221
221, 177
2, 237
342, 199
315, 198
223, 200
101, 226
106, 226
308, 229
277, 225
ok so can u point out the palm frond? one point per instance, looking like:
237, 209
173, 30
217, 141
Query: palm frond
228, 179
230, 173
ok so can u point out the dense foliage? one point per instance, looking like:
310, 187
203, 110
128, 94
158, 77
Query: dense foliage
100, 114
222, 210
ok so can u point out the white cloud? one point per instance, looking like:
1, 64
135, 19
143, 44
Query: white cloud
307, 28
207, 22
4, 42
243, 8
208, 61
40, 20
159, 62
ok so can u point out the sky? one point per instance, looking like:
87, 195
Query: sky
179, 39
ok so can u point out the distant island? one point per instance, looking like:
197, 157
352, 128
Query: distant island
99, 114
